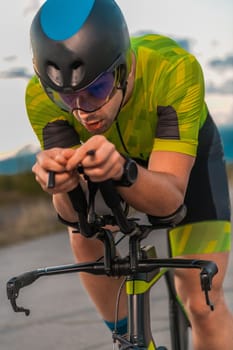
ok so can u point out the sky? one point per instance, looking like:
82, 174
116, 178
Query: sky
204, 27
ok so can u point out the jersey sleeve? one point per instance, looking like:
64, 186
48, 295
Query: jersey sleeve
181, 108
52, 126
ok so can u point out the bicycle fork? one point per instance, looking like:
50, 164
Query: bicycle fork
138, 291
139, 322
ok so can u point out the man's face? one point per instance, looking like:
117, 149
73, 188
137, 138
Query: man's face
99, 121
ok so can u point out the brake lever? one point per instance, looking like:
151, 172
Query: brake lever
206, 285
13, 287
17, 308
206, 277
16, 283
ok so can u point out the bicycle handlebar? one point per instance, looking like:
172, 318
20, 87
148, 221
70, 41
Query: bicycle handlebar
120, 267
111, 265
112, 200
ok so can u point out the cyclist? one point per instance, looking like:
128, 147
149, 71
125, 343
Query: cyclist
139, 103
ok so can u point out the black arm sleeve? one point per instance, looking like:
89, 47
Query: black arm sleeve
60, 134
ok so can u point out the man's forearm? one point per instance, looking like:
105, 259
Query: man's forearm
64, 208
154, 193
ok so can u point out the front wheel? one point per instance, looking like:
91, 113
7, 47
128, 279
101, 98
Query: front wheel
179, 323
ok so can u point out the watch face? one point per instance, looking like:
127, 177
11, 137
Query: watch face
132, 171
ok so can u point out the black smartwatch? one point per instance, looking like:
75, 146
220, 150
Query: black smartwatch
130, 173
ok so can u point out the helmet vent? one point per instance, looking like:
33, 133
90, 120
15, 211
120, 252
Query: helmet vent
76, 76
55, 75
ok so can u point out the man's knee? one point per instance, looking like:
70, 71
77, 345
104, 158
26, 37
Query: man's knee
196, 304
85, 249
197, 307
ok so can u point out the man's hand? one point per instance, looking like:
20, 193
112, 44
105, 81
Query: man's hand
106, 162
55, 160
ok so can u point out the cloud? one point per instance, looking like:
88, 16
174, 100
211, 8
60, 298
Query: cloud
224, 63
225, 88
185, 43
19, 72
10, 58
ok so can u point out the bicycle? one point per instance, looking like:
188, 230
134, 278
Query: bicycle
141, 268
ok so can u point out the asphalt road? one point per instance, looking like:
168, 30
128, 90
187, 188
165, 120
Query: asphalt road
62, 316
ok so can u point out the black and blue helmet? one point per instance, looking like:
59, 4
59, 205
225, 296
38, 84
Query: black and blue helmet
75, 41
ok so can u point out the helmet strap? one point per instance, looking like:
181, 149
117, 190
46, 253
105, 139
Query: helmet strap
123, 88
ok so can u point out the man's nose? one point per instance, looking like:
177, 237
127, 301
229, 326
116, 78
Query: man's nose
86, 102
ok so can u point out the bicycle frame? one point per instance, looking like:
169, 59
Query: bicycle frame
141, 268
138, 288
138, 291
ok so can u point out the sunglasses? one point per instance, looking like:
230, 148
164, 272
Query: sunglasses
92, 97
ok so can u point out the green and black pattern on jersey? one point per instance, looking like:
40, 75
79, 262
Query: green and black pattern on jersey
166, 112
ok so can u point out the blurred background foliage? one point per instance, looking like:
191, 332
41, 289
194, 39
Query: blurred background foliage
26, 211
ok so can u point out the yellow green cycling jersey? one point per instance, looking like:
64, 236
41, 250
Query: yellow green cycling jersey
165, 112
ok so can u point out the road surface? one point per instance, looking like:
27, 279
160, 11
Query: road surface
62, 316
